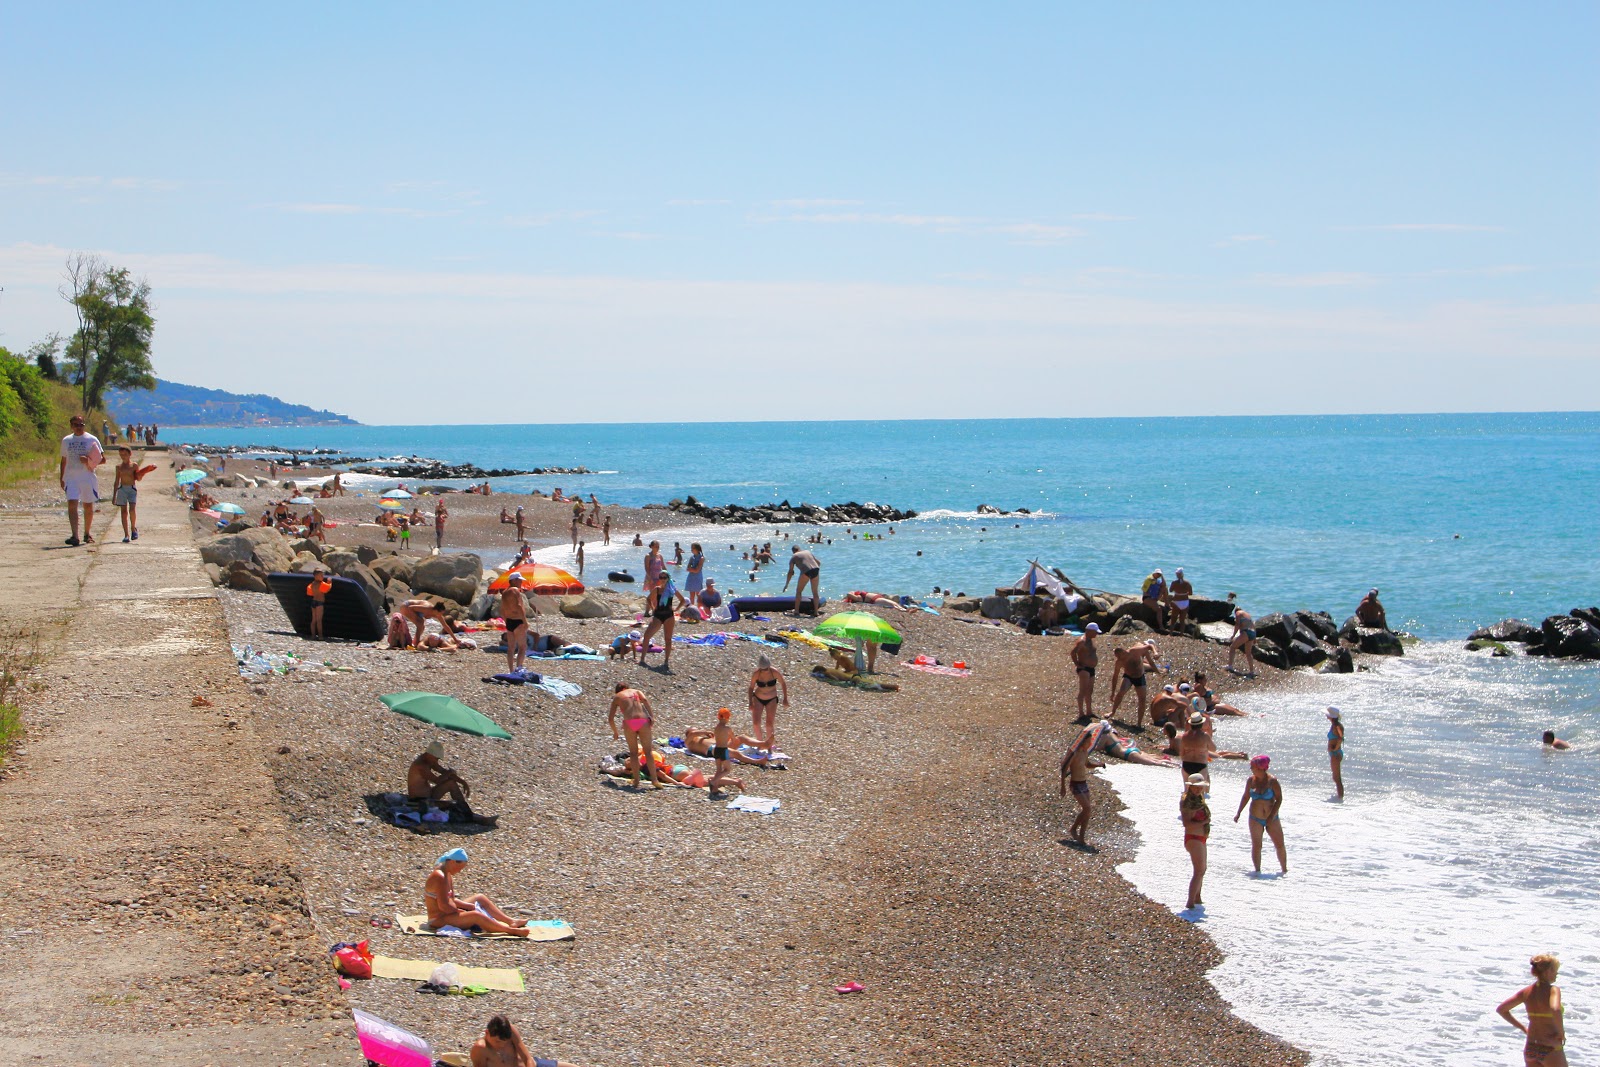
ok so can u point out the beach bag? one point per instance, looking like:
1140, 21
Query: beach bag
353, 960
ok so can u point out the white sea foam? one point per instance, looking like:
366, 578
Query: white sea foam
1411, 908
946, 513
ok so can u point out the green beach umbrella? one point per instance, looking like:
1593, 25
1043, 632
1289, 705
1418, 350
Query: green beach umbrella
189, 476
859, 626
436, 709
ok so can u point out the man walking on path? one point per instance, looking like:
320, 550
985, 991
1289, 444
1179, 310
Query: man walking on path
810, 571
80, 455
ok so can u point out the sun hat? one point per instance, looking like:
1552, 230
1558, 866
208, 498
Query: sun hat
1196, 779
455, 855
635, 635
1333, 713
435, 749
1167, 689
1179, 572
723, 714
1260, 761
1092, 628
1197, 719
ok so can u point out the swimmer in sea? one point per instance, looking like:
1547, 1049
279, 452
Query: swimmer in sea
1552, 741
1085, 658
1196, 815
1336, 750
1546, 1029
1264, 793
1075, 768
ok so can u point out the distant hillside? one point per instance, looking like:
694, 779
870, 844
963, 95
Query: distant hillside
172, 404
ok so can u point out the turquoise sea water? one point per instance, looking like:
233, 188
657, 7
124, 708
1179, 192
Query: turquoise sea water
1459, 519
1463, 846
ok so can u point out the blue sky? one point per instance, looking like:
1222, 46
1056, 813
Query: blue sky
911, 210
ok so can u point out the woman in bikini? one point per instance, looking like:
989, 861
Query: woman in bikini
1196, 815
766, 682
662, 617
1085, 658
637, 720
1264, 793
1336, 750
476, 912
1546, 1030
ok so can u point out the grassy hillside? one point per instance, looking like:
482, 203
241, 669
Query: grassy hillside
33, 419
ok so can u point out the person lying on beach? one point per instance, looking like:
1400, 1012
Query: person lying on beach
428, 779
663, 771
502, 1046
417, 612
702, 742
859, 596
1107, 740
476, 912
447, 643
1552, 741
848, 674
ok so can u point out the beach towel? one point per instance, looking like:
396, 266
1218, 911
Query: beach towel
757, 805
508, 979
543, 930
557, 688
937, 668
717, 640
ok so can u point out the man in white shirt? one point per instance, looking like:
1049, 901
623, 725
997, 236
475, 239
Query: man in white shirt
81, 454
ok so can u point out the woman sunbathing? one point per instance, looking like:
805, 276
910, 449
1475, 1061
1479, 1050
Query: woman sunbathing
860, 597
476, 912
676, 773
1107, 740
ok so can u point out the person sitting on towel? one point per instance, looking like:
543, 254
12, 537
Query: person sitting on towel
501, 1046
476, 912
428, 779
710, 596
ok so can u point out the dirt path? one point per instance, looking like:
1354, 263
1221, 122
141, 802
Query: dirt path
149, 908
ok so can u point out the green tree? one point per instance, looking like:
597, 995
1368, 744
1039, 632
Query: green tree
28, 384
112, 346
45, 355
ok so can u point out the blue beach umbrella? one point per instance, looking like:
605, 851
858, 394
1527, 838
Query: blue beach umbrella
229, 508
189, 476
301, 500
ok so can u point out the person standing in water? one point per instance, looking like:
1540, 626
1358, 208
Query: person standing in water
1336, 750
1546, 1030
1196, 815
1264, 793
1085, 658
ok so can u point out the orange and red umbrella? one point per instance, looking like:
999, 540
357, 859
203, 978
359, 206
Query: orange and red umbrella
539, 578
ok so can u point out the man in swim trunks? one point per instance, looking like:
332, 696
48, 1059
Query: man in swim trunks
1194, 747
1167, 705
428, 779
1085, 658
1131, 664
1370, 612
501, 1046
1181, 591
1075, 767
810, 571
514, 610
81, 454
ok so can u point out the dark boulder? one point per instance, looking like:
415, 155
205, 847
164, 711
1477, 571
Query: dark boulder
1306, 653
1571, 638
1203, 611
1282, 630
1269, 652
1513, 630
1588, 615
1130, 625
1341, 662
1376, 642
1319, 623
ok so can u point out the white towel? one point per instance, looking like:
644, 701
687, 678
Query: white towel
759, 805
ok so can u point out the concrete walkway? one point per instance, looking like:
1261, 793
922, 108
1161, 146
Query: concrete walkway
150, 907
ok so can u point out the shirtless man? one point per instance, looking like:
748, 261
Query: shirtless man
1244, 637
1085, 658
514, 610
428, 779
522, 524
1370, 612
810, 571
1167, 705
1075, 767
1131, 664
501, 1046
1181, 591
637, 719
1194, 747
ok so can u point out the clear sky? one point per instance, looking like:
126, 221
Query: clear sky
509, 213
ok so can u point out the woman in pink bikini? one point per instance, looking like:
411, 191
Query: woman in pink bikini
634, 707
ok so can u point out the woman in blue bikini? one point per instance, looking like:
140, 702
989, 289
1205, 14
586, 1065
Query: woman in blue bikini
1264, 793
1336, 749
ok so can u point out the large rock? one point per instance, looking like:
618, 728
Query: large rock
339, 560
1341, 662
1306, 653
1267, 651
237, 526
393, 568
306, 544
261, 545
964, 604
485, 606
394, 593
1319, 623
1282, 630
305, 563
1202, 610
1588, 615
1134, 609
214, 572
1570, 637
455, 576
597, 605
1130, 625
1375, 642
247, 575
996, 607
1515, 631
368, 582
366, 554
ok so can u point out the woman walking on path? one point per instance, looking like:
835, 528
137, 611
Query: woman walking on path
1264, 793
662, 617
637, 719
766, 682
1546, 1030
1336, 749
1196, 814
694, 576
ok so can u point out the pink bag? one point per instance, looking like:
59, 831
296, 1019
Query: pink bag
354, 960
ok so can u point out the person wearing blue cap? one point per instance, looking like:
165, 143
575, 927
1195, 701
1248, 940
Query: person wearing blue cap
476, 912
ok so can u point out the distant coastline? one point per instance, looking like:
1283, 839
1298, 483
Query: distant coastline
176, 404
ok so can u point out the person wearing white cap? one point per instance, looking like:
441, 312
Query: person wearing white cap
429, 780
1085, 658
1196, 815
1194, 747
1336, 750
1181, 591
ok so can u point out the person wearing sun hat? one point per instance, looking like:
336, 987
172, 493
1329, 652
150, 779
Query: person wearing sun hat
1336, 750
476, 912
1264, 793
1196, 816
430, 781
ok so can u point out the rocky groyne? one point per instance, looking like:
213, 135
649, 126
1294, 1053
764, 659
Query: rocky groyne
785, 512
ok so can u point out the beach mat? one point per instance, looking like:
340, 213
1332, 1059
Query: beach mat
348, 615
939, 668
543, 930
508, 979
